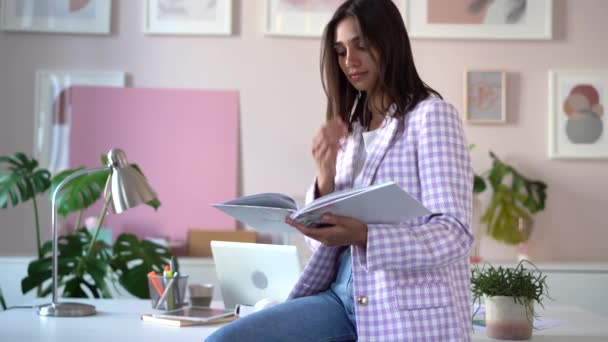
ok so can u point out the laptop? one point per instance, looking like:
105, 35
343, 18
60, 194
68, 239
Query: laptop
249, 272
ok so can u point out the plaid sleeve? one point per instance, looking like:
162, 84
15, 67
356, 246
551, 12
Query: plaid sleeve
445, 176
310, 196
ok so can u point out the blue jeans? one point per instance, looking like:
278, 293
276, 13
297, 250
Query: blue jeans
343, 285
321, 317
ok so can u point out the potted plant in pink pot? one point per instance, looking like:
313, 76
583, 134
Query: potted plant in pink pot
509, 295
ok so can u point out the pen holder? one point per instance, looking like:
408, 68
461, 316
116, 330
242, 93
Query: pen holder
167, 293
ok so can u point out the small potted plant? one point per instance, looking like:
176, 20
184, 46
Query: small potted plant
509, 295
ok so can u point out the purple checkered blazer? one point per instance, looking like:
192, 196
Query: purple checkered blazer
414, 275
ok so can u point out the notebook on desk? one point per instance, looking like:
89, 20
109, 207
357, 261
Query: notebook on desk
191, 316
250, 272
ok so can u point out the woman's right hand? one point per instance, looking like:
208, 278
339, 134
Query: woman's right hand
325, 148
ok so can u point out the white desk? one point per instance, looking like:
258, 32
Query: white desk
589, 280
575, 325
118, 320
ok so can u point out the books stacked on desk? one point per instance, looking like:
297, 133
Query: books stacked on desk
190, 316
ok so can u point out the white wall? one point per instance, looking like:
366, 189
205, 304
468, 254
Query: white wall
282, 105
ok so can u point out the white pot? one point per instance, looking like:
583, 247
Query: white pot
507, 319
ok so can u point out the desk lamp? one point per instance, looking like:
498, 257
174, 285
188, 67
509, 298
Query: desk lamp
129, 188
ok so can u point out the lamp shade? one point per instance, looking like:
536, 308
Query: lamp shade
129, 187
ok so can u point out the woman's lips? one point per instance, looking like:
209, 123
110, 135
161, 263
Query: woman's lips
357, 76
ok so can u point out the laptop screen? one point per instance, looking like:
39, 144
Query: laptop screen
249, 272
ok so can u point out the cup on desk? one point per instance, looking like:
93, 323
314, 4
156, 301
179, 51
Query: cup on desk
167, 293
201, 294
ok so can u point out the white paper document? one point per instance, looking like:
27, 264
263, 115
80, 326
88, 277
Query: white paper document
385, 203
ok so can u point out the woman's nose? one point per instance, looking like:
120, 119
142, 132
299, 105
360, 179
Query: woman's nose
351, 59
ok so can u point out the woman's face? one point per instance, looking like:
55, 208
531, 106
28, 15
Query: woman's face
355, 57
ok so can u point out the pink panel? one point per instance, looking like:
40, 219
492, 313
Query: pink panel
454, 12
185, 142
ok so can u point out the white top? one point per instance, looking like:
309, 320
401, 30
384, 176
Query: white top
365, 148
367, 145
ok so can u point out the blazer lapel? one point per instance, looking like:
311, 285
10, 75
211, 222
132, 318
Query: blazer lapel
380, 148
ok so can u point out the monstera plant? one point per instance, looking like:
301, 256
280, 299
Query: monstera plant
514, 200
20, 181
87, 266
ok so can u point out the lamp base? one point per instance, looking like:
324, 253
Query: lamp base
66, 310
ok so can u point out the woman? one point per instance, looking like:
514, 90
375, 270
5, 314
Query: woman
402, 282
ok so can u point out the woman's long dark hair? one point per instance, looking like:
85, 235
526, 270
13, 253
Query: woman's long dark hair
383, 29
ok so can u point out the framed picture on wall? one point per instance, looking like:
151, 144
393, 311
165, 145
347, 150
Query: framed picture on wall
52, 112
188, 17
56, 16
298, 18
485, 96
578, 126
479, 19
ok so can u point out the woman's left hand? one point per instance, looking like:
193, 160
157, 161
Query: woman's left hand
342, 232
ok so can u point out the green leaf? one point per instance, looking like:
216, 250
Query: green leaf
39, 265
31, 281
73, 267
94, 290
98, 270
24, 190
536, 196
42, 180
22, 159
73, 289
488, 216
80, 192
10, 160
20, 180
134, 259
511, 201
3, 199
2, 302
40, 271
479, 185
14, 198
84, 190
155, 203
47, 247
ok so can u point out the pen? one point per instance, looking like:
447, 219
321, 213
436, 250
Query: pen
168, 274
166, 293
155, 283
176, 292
